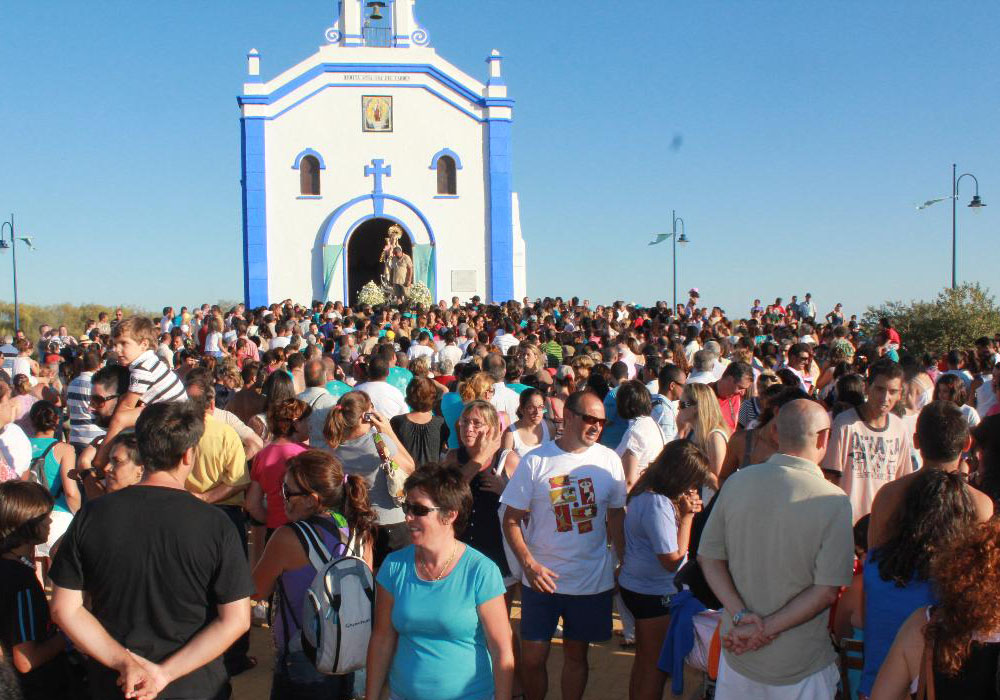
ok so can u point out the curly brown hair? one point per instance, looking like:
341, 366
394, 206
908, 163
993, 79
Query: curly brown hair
967, 582
283, 415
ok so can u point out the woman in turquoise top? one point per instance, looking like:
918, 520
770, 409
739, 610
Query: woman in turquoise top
60, 459
441, 630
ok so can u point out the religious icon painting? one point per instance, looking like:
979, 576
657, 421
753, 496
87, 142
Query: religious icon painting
376, 113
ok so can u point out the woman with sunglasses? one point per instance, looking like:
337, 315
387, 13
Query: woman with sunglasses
700, 421
441, 630
314, 489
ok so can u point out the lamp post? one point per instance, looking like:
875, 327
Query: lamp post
4, 244
975, 204
682, 240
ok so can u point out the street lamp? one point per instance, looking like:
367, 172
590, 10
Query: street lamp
682, 239
976, 204
4, 244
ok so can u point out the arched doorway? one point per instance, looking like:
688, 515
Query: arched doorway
363, 251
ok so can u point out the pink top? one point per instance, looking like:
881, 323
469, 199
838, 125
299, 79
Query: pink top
269, 471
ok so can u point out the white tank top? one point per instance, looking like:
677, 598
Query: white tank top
519, 445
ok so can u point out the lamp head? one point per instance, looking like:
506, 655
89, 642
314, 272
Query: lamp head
682, 239
976, 203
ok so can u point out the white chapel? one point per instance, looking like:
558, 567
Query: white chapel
375, 130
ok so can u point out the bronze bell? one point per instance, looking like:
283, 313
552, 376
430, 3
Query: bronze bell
376, 8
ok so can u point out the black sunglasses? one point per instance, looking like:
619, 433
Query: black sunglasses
687, 404
589, 419
417, 509
288, 495
101, 400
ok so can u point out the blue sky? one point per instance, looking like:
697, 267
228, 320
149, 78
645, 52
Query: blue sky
810, 130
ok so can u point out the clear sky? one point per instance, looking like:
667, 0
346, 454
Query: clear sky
808, 132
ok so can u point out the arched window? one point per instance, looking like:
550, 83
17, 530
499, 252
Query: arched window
447, 180
309, 175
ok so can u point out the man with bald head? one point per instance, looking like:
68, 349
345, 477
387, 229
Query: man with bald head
319, 399
776, 549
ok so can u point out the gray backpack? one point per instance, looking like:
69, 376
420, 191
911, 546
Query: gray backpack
337, 610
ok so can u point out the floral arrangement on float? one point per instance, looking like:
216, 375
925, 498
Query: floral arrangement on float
419, 293
371, 295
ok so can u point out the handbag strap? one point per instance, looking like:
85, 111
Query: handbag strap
380, 447
925, 681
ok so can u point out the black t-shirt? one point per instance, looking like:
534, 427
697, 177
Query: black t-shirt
24, 617
156, 562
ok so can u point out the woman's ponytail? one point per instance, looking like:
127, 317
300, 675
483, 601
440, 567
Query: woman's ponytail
358, 508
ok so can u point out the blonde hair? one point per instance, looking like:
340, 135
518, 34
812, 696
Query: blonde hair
138, 328
709, 416
487, 411
475, 387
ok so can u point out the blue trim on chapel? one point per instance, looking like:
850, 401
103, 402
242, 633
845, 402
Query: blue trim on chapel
501, 262
254, 212
309, 152
322, 68
445, 152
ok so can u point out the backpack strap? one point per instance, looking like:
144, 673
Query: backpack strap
310, 540
353, 547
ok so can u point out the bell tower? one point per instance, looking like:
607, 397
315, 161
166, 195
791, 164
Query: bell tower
377, 24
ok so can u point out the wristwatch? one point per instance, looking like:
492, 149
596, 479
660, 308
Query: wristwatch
738, 617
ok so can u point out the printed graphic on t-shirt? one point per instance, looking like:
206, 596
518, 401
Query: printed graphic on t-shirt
873, 456
574, 503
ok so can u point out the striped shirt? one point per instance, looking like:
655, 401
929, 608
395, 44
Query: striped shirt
83, 429
153, 381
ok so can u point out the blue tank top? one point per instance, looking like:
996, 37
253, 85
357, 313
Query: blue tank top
52, 478
294, 584
886, 608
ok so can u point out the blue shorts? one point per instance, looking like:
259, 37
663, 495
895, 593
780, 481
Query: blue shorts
586, 618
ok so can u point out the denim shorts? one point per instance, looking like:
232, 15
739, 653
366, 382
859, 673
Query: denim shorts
586, 618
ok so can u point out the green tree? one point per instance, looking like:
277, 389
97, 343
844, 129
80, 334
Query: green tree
951, 321
73, 316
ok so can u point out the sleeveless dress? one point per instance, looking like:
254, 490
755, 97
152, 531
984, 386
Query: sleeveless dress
483, 530
61, 515
979, 677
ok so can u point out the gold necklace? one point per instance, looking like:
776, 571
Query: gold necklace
430, 573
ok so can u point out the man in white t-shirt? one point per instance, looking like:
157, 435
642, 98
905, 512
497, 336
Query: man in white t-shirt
574, 491
505, 399
870, 446
422, 347
387, 399
505, 338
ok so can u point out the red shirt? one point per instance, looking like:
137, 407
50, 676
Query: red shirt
730, 407
268, 470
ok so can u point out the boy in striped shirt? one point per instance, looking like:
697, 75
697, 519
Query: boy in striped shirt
150, 380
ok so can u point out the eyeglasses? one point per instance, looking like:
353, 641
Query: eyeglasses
687, 404
289, 495
589, 419
805, 358
101, 400
474, 424
417, 510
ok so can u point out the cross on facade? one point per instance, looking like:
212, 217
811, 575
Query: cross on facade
378, 171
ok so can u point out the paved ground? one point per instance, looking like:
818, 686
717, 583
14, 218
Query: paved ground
609, 671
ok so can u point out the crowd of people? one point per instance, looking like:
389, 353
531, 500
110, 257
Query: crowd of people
176, 480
